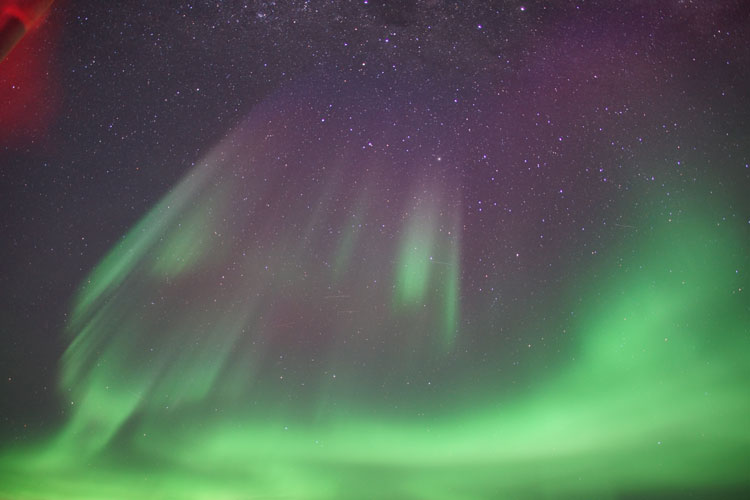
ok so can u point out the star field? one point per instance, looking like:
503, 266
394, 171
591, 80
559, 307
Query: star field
367, 250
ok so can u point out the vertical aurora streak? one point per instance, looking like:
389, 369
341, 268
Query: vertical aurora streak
414, 260
451, 305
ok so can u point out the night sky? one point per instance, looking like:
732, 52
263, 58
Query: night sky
401, 250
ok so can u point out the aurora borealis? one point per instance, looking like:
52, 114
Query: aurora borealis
346, 250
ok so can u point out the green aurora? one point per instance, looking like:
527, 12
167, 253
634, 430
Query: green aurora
175, 389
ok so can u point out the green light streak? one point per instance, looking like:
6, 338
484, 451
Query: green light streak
348, 243
186, 244
451, 306
122, 260
413, 267
428, 271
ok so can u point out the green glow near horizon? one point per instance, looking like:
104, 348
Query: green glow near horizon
175, 401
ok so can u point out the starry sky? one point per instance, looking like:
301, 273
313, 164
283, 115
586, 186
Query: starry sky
416, 250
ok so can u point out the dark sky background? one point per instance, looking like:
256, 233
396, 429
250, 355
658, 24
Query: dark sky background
561, 130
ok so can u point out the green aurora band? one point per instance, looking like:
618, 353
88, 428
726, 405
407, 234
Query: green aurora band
204, 368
